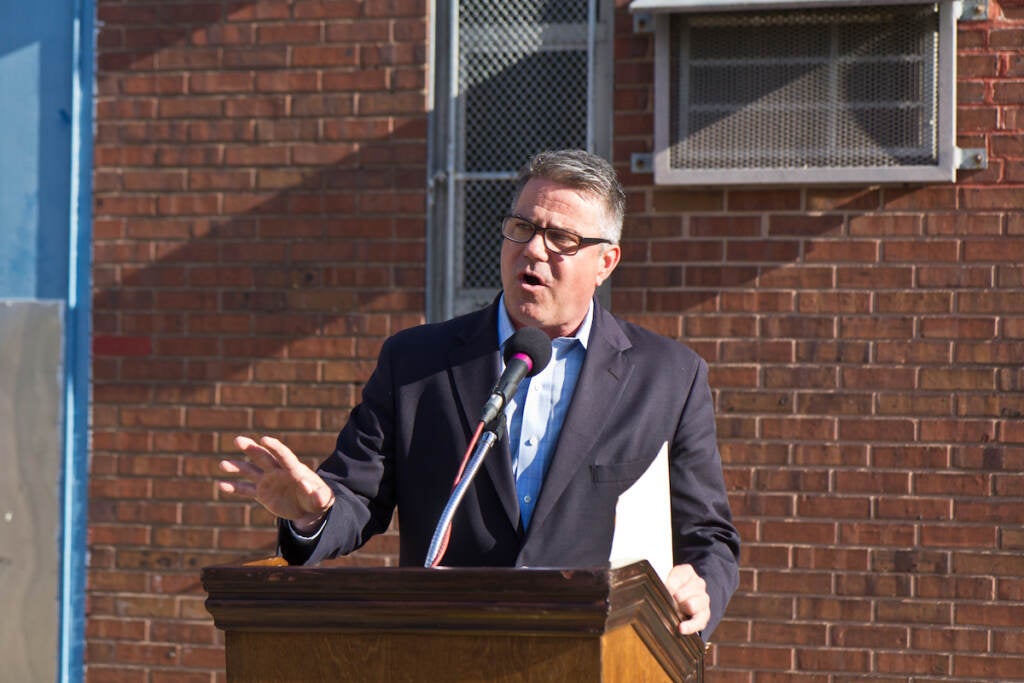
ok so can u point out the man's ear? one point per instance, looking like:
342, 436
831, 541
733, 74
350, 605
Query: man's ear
609, 259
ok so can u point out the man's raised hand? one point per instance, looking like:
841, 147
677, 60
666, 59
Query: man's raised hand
275, 478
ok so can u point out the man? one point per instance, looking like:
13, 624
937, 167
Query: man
579, 433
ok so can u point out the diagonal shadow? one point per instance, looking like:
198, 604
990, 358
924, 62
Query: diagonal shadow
248, 267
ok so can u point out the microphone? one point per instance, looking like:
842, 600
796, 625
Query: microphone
527, 352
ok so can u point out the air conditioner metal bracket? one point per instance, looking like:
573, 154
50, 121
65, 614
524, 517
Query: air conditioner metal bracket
971, 158
973, 10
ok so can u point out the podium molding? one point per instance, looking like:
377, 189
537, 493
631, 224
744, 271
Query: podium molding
337, 623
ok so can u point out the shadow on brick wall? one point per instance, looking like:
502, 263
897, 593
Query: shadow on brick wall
259, 229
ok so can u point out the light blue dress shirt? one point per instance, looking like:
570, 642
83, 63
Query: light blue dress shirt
536, 413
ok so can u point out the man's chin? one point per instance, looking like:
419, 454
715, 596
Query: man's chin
526, 315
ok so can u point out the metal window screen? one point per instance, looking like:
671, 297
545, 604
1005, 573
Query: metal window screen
522, 86
483, 202
804, 90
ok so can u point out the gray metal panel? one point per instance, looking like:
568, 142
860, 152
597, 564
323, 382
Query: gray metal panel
30, 459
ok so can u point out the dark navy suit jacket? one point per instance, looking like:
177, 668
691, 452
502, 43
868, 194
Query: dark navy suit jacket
403, 444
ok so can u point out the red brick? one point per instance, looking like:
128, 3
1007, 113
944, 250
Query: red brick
808, 635
914, 404
913, 663
846, 251
933, 250
818, 351
970, 431
957, 379
902, 352
798, 326
833, 507
797, 278
959, 328
877, 534
798, 533
671, 201
874, 277
963, 224
832, 659
875, 637
833, 609
910, 508
833, 404
846, 199
996, 511
982, 667
963, 537
744, 351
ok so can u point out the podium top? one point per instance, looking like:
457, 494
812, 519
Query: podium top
593, 604
267, 596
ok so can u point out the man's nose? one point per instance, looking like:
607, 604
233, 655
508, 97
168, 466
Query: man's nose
535, 248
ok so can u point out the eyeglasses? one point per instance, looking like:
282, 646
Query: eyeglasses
557, 240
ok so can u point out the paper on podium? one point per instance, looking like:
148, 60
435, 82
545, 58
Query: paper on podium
643, 520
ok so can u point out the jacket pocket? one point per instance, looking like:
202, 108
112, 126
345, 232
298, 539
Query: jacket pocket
629, 471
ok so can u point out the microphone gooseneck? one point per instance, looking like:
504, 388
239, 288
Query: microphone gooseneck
527, 352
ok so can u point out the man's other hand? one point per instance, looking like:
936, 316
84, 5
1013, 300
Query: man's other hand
691, 595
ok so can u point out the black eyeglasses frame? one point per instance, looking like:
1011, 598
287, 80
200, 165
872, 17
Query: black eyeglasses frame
580, 241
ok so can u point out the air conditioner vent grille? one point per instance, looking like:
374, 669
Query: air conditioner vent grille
809, 89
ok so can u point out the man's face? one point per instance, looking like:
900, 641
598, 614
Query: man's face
548, 290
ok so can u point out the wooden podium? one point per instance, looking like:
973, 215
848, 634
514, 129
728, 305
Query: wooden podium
332, 623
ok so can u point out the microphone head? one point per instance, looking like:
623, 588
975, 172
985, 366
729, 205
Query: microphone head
532, 343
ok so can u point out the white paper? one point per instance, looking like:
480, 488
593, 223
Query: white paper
643, 520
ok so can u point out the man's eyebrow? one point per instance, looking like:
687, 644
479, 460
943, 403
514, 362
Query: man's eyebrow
546, 227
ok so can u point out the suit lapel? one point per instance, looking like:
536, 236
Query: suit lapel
598, 391
474, 364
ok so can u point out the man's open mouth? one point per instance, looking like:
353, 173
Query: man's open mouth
531, 280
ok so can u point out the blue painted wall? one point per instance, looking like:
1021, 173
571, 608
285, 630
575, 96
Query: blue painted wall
46, 74
36, 61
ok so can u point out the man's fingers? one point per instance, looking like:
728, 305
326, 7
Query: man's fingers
247, 470
693, 625
692, 605
689, 591
695, 606
283, 456
273, 476
239, 488
257, 453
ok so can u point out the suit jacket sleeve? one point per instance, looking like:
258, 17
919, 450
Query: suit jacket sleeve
704, 535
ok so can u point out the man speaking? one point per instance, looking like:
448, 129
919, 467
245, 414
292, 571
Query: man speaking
579, 432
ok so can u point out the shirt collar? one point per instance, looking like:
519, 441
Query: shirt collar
506, 328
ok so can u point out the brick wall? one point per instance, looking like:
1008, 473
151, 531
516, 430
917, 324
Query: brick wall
866, 350
260, 229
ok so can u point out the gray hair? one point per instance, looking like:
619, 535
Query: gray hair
583, 172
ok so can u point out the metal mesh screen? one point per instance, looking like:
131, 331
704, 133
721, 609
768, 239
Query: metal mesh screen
805, 89
484, 202
522, 88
